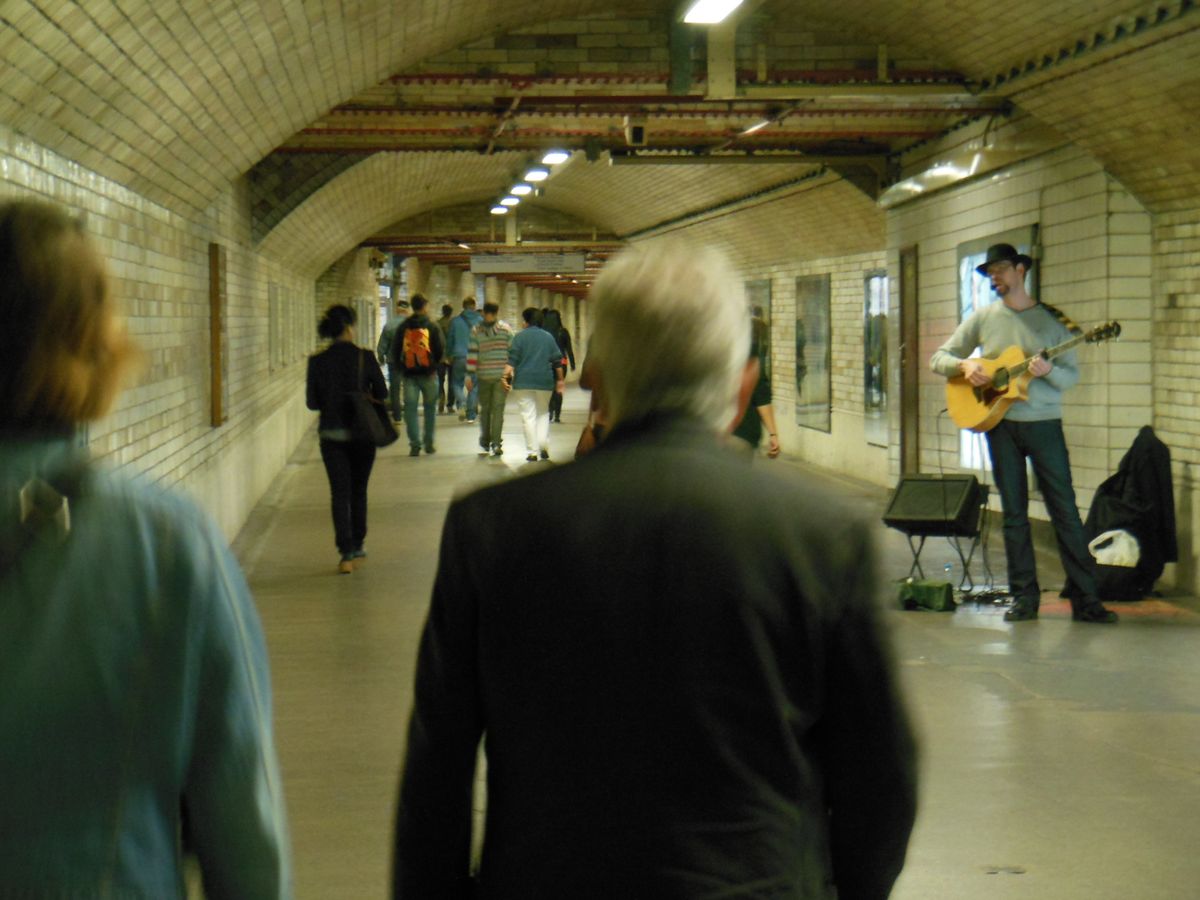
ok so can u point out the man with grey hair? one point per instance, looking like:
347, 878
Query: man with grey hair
709, 707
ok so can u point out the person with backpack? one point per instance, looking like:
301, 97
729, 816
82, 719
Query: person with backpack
417, 351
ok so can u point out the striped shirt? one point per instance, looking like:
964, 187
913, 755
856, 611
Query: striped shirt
487, 350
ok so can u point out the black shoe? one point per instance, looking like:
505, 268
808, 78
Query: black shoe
1022, 611
1096, 613
532, 457
496, 451
545, 454
429, 448
414, 451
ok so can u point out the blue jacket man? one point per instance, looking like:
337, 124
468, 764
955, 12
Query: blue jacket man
456, 355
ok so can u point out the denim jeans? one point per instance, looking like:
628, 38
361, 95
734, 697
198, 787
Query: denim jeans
348, 465
492, 398
425, 387
1042, 442
458, 377
395, 386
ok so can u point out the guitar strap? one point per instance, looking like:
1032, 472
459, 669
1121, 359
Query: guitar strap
1067, 321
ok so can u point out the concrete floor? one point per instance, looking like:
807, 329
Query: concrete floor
1059, 760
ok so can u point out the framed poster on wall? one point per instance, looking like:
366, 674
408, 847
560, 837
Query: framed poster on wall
218, 332
875, 357
814, 389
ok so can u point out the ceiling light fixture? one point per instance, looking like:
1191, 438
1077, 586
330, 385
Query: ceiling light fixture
521, 190
710, 12
464, 246
499, 210
554, 157
510, 201
537, 173
759, 127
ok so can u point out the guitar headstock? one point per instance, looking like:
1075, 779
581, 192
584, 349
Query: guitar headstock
1105, 332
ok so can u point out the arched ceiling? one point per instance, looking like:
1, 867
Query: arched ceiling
178, 99
380, 190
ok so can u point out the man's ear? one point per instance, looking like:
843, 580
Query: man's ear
745, 390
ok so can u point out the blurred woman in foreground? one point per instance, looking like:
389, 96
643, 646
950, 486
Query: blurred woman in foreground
134, 690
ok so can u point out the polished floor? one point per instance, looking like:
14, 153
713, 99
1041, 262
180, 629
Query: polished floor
1059, 760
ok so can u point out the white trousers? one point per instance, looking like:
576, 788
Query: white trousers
534, 407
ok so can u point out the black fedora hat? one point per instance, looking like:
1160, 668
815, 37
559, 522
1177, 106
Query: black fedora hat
1004, 253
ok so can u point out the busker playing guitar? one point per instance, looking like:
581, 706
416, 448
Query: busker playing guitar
1031, 428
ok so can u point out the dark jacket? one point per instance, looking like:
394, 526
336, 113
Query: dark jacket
708, 710
1138, 498
335, 371
437, 345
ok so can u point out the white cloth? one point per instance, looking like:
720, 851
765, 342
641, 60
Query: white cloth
534, 407
1116, 548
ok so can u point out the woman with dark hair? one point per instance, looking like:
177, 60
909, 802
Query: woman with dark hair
337, 370
134, 691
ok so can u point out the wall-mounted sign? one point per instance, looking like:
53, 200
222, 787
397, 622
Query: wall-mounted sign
523, 263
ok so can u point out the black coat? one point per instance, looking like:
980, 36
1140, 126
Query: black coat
707, 706
334, 372
1138, 498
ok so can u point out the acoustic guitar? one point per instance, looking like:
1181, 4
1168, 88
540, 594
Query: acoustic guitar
981, 408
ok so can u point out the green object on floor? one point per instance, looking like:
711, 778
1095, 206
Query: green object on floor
934, 595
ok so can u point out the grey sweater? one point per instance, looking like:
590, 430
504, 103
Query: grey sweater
994, 329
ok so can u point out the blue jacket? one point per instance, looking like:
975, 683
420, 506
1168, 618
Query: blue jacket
533, 356
460, 332
133, 683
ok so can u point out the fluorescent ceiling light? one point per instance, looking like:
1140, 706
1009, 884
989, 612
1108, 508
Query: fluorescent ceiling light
710, 12
499, 210
464, 246
554, 157
759, 127
537, 173
510, 201
521, 190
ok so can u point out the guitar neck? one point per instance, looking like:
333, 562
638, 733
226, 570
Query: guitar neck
1049, 353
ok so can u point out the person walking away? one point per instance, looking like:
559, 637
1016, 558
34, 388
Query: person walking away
445, 396
134, 681
552, 322
456, 350
418, 350
383, 354
711, 710
335, 371
1031, 429
535, 372
759, 411
487, 358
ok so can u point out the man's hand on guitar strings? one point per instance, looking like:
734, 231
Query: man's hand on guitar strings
973, 371
1040, 366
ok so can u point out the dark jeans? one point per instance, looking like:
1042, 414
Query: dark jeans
1009, 444
492, 398
425, 387
348, 465
443, 373
395, 386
